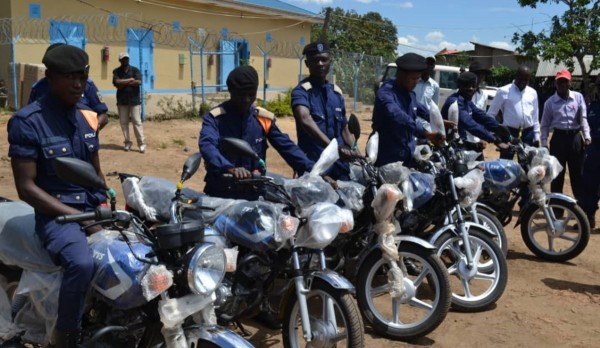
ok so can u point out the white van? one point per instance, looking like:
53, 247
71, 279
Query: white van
446, 76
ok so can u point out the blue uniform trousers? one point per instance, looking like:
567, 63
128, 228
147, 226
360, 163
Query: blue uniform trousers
68, 248
591, 179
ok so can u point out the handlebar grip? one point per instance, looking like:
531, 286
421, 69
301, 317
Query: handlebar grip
230, 177
76, 217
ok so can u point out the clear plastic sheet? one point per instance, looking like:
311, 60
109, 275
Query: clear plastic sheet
422, 153
135, 199
351, 193
542, 158
394, 173
436, 120
231, 255
372, 148
469, 187
328, 157
324, 222
470, 157
308, 190
418, 189
8, 329
358, 175
155, 274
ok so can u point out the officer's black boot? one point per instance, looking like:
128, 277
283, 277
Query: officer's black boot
66, 339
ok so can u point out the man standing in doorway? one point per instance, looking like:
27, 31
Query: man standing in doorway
128, 79
427, 90
518, 104
566, 113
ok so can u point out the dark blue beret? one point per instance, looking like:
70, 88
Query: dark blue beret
66, 59
242, 77
478, 66
411, 62
467, 78
315, 48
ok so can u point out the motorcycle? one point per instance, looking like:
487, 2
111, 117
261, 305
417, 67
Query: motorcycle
553, 226
150, 288
376, 254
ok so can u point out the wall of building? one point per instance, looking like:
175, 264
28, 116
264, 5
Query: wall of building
170, 76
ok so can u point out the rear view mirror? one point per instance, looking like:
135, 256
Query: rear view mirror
354, 126
191, 165
237, 148
78, 172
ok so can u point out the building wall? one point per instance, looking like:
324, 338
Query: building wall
170, 75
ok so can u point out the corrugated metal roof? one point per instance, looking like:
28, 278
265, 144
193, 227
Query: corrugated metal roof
549, 68
279, 5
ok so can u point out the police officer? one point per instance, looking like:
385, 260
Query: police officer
395, 112
240, 118
471, 119
591, 167
91, 96
320, 111
55, 127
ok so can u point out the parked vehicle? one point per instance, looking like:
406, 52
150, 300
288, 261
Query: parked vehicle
150, 288
553, 226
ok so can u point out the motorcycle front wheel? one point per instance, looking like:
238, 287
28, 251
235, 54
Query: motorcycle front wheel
343, 328
571, 236
477, 288
491, 222
425, 280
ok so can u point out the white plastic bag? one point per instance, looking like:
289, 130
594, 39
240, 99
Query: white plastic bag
328, 157
469, 187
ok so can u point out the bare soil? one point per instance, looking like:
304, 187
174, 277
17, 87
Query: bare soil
545, 304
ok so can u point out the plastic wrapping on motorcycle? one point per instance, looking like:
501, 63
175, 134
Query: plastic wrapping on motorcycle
8, 329
549, 167
394, 173
357, 174
351, 193
171, 236
308, 190
436, 120
118, 275
418, 189
470, 157
503, 175
372, 148
324, 222
469, 187
328, 157
422, 152
251, 224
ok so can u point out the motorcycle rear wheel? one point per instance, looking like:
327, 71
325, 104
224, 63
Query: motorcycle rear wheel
415, 317
346, 314
568, 242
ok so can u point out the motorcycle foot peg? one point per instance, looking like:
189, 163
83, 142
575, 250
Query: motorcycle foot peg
245, 333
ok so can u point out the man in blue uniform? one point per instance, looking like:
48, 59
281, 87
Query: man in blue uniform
46, 129
320, 112
240, 118
470, 118
591, 167
395, 112
91, 96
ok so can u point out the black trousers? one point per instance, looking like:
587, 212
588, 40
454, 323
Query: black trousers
569, 148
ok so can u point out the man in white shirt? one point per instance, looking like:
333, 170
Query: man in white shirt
518, 104
427, 90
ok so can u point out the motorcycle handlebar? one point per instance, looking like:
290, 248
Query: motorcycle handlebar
101, 213
254, 176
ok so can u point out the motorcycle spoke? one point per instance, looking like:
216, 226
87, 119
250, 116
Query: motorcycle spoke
380, 290
396, 311
467, 288
453, 269
415, 302
485, 276
477, 254
419, 279
569, 238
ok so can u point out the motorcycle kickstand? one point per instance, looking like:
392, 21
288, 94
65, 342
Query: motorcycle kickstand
245, 333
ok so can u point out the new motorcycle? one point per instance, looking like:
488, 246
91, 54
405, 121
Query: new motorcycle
150, 288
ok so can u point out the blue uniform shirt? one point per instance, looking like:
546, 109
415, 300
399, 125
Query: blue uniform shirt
47, 129
91, 96
327, 108
470, 118
256, 127
593, 118
394, 118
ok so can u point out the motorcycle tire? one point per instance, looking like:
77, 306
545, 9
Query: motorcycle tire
423, 312
491, 222
466, 282
346, 313
573, 236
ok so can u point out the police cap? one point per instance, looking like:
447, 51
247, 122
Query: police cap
66, 59
467, 78
315, 48
477, 66
411, 62
242, 77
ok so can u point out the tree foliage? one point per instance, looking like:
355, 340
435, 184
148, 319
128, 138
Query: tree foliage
369, 33
573, 35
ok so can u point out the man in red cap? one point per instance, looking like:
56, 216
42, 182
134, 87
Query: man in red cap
565, 112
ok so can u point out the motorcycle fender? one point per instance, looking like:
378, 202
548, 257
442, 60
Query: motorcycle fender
334, 279
486, 207
549, 196
222, 337
437, 234
398, 239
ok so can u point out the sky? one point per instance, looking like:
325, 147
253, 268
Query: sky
428, 26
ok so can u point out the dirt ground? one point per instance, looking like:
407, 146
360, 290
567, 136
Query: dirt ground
545, 304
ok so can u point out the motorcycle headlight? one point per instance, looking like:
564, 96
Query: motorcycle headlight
205, 268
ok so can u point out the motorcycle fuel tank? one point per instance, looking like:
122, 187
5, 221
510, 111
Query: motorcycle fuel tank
423, 188
502, 174
118, 273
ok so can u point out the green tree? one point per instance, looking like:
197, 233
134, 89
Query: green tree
570, 37
369, 33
